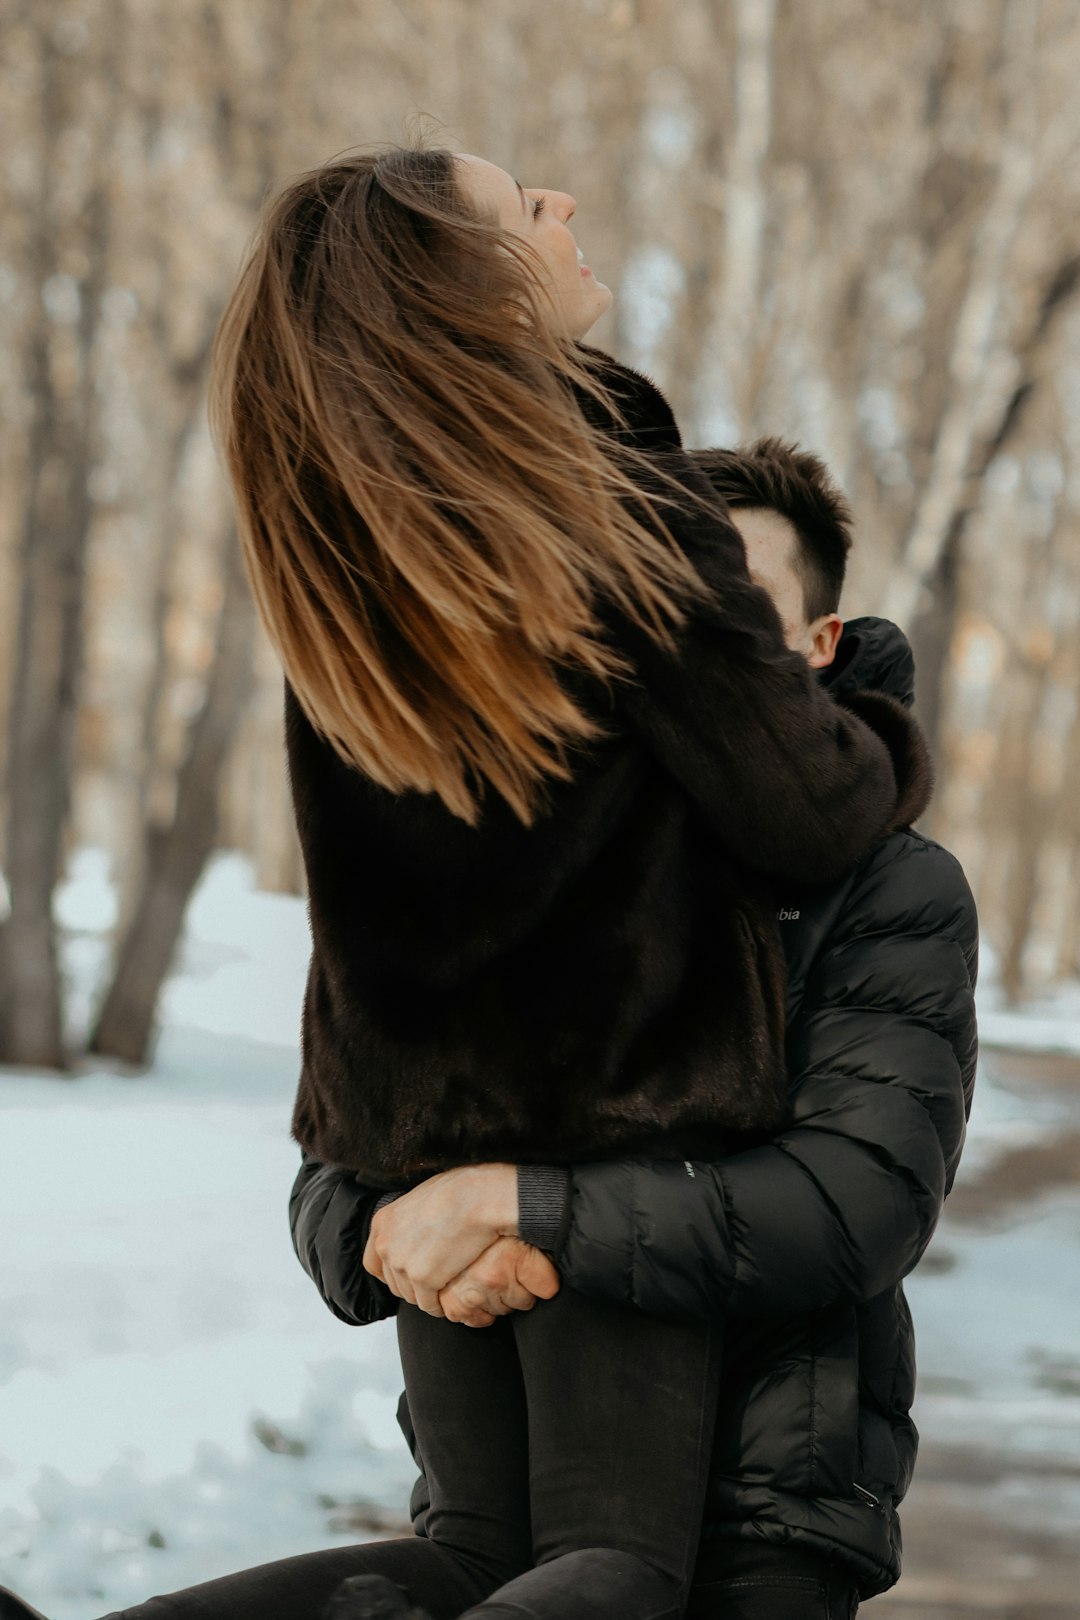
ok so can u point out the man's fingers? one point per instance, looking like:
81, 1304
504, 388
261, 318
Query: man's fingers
470, 1318
400, 1285
536, 1272
428, 1301
478, 1295
372, 1261
518, 1298
406, 1270
511, 1276
466, 1315
467, 1299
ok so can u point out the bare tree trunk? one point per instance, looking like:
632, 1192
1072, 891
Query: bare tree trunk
740, 309
934, 626
279, 864
1014, 881
1029, 826
1067, 965
190, 384
1067, 830
174, 856
55, 533
932, 637
951, 463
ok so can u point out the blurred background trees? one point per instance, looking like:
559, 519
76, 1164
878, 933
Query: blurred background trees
852, 222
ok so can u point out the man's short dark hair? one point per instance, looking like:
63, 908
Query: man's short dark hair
774, 476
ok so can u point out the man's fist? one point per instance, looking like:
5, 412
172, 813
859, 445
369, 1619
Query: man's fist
509, 1276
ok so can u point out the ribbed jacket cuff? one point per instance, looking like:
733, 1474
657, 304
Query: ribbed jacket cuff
387, 1198
544, 1192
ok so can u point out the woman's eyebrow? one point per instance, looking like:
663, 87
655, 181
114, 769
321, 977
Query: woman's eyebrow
524, 199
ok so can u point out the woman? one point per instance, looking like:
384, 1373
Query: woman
545, 746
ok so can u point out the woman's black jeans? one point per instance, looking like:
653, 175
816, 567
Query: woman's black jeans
743, 1581
566, 1451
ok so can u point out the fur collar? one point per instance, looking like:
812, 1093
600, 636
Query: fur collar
648, 423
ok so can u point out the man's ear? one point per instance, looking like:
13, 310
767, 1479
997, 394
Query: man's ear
825, 636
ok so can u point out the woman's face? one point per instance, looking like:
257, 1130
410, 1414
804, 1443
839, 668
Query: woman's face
577, 298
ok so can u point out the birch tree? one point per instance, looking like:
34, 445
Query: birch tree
75, 53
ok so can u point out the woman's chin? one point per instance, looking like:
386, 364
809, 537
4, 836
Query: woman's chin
600, 307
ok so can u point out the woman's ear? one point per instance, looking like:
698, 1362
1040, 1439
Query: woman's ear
824, 637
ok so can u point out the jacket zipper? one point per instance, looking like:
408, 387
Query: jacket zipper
866, 1496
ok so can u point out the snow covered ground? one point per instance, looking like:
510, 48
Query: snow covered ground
155, 1322
153, 1311
1049, 1023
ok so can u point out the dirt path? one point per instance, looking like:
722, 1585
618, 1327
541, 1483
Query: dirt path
964, 1555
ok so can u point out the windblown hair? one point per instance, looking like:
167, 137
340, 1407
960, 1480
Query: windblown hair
428, 514
772, 475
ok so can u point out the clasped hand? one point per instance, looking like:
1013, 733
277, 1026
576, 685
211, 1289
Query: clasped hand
450, 1246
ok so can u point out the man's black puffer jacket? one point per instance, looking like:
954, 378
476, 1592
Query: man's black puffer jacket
800, 1245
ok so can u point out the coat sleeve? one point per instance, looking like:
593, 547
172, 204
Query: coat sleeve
842, 1205
330, 1214
791, 780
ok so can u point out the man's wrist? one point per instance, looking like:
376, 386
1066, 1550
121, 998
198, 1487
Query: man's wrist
543, 1198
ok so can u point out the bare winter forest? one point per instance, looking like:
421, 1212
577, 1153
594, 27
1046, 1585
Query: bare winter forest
853, 222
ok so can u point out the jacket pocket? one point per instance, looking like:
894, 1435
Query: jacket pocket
834, 1403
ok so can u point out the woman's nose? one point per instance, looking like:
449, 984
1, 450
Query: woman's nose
564, 203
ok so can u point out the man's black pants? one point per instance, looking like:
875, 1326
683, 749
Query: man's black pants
566, 1451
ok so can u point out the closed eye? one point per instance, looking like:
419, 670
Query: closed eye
538, 207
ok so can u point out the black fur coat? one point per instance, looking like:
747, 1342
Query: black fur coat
610, 980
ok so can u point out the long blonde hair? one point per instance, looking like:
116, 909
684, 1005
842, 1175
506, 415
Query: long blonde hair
427, 514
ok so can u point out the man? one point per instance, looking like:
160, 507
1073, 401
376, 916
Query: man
799, 1244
